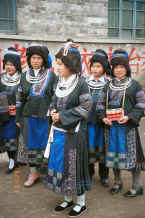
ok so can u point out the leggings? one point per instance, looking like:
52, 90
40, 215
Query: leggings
12, 154
136, 180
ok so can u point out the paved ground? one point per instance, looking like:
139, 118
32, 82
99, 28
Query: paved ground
38, 202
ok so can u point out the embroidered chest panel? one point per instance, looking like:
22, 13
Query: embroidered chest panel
38, 89
115, 97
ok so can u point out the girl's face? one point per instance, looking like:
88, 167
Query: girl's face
120, 71
63, 71
36, 61
10, 68
97, 69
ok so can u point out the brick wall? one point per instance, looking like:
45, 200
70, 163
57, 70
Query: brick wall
63, 18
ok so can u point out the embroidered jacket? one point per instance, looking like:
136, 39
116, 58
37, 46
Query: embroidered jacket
95, 93
35, 98
134, 104
11, 99
73, 108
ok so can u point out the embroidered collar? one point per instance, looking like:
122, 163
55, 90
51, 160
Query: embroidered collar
96, 84
9, 80
65, 87
41, 75
122, 84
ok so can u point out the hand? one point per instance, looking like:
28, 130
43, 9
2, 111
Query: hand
107, 121
55, 117
123, 120
53, 112
18, 124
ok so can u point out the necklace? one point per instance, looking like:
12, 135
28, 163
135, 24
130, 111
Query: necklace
9, 80
96, 84
36, 79
65, 87
122, 86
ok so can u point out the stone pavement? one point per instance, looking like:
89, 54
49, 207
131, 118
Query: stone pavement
38, 202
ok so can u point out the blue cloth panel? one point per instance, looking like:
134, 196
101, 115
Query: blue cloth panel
37, 133
95, 135
117, 140
9, 129
56, 157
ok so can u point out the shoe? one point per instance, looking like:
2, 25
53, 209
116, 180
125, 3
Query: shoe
131, 194
79, 210
104, 182
63, 206
32, 179
116, 189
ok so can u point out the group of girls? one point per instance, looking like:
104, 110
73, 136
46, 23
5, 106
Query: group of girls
72, 121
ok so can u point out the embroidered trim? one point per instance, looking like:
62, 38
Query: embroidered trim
122, 86
38, 89
36, 79
95, 84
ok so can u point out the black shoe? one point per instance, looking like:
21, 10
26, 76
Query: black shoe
74, 213
60, 208
130, 194
116, 189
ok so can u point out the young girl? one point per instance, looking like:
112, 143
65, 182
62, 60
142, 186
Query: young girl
35, 92
125, 103
10, 80
68, 160
99, 65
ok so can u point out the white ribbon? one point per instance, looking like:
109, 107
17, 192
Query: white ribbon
51, 138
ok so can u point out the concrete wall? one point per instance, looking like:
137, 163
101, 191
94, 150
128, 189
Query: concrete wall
136, 50
51, 22
62, 19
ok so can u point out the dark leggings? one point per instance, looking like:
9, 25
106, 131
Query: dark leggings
34, 165
103, 170
136, 180
12, 154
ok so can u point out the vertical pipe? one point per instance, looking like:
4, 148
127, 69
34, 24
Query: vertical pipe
134, 20
14, 16
120, 18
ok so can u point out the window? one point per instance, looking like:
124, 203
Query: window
8, 16
126, 19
